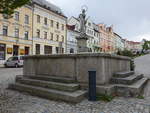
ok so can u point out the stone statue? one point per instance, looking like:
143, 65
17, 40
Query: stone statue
83, 21
82, 38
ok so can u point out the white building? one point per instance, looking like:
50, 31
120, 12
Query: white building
71, 39
49, 28
92, 31
119, 43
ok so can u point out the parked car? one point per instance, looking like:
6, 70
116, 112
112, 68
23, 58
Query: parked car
15, 61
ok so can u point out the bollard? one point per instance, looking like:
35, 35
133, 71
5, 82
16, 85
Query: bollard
92, 85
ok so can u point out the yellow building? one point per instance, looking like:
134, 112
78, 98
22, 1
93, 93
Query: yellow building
49, 28
16, 34
38, 28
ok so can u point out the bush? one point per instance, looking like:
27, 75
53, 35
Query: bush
125, 53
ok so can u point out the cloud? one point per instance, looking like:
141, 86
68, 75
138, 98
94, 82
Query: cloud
130, 18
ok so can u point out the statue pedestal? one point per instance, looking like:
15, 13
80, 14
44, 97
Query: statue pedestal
82, 45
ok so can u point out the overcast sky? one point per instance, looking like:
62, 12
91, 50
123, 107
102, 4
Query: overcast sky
131, 18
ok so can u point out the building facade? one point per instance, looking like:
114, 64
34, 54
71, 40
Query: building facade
92, 31
49, 28
119, 43
71, 39
16, 33
133, 46
106, 38
36, 28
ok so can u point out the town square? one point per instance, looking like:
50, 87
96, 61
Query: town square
55, 60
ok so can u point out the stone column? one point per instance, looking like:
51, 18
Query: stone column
81, 45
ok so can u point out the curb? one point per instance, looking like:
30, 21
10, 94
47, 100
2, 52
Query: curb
1, 65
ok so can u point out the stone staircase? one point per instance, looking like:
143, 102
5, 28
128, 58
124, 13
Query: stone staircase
128, 84
50, 87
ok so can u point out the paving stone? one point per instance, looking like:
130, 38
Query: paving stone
24, 103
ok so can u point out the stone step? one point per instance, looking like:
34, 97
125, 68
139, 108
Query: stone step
123, 74
48, 84
73, 97
51, 78
128, 80
131, 90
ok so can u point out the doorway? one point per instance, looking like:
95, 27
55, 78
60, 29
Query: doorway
15, 50
27, 50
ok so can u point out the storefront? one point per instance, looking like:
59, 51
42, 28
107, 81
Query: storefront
2, 51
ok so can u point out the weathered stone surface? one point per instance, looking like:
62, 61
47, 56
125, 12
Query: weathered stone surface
49, 84
73, 97
127, 80
77, 66
131, 90
123, 74
51, 78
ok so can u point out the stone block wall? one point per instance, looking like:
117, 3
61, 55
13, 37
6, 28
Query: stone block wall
77, 66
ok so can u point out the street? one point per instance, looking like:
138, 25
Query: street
142, 65
7, 75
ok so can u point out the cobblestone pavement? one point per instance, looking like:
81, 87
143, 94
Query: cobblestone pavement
23, 103
7, 75
15, 102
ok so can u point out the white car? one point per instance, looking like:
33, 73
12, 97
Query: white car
15, 61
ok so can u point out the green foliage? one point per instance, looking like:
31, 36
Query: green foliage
104, 97
125, 53
146, 45
7, 7
140, 97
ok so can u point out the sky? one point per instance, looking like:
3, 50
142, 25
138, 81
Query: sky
130, 18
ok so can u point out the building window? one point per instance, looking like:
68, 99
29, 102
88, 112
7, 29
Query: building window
63, 27
45, 35
15, 50
17, 16
52, 36
52, 23
57, 25
57, 37
38, 33
2, 51
16, 32
71, 50
62, 38
5, 30
45, 21
62, 50
27, 50
57, 49
37, 49
47, 49
38, 18
26, 35
5, 16
26, 19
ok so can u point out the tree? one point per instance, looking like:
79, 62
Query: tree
7, 7
146, 45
